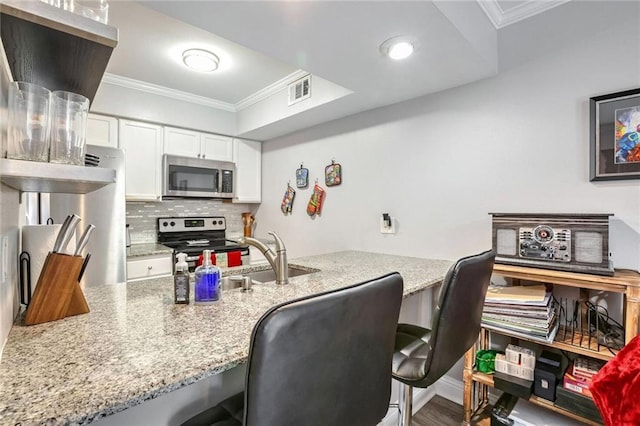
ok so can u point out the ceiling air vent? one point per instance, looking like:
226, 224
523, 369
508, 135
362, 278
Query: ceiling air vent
300, 90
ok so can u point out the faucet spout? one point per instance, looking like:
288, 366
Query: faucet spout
277, 260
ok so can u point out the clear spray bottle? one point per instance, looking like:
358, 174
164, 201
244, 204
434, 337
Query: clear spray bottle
207, 287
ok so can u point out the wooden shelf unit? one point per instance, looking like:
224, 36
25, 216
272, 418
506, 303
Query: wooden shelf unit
487, 380
625, 282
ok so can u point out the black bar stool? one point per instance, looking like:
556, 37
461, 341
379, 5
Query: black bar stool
421, 355
320, 360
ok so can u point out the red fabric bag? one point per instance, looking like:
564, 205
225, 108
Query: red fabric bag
616, 387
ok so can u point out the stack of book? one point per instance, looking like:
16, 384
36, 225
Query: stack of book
523, 311
580, 374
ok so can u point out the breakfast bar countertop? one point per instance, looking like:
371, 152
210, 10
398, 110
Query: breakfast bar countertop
136, 344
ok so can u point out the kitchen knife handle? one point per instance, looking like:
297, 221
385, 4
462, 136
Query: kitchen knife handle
68, 233
60, 237
84, 239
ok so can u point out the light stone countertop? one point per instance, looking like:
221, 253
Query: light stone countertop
136, 344
147, 249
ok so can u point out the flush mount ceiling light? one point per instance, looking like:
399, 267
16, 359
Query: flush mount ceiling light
200, 60
397, 48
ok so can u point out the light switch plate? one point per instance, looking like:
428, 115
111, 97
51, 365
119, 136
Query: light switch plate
384, 229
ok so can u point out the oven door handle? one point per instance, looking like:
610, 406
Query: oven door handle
192, 258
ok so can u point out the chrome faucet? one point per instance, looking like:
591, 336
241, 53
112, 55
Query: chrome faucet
278, 260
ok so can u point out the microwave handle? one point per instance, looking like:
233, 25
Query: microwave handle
219, 181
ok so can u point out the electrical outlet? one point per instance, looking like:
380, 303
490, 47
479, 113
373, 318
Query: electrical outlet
386, 228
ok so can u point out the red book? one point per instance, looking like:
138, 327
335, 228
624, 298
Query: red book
576, 384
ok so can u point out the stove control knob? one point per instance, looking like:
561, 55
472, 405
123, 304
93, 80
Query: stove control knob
173, 223
165, 224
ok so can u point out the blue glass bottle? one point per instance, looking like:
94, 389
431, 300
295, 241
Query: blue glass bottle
207, 286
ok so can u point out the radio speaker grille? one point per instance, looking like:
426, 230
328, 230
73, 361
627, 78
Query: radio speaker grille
506, 242
588, 247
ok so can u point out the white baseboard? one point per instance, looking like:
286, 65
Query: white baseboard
450, 388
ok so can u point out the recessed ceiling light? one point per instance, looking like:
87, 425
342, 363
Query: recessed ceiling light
200, 60
397, 48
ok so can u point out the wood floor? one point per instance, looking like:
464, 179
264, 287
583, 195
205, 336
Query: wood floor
438, 412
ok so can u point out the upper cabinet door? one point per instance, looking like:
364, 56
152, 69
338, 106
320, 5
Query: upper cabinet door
185, 143
248, 158
102, 130
216, 147
142, 144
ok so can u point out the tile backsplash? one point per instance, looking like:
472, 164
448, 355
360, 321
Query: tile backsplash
142, 216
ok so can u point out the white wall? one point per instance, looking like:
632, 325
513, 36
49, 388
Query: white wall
517, 142
113, 99
276, 107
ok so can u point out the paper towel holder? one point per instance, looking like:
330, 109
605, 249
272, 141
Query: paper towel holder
25, 280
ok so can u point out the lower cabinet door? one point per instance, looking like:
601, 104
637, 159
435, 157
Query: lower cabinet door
149, 267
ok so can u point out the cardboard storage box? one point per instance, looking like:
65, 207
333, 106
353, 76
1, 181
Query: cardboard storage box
520, 356
506, 367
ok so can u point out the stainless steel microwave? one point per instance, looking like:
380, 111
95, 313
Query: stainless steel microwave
198, 178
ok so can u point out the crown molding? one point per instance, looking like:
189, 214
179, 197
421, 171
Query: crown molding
154, 89
493, 11
270, 90
500, 18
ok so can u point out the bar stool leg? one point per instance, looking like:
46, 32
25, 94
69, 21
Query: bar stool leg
405, 406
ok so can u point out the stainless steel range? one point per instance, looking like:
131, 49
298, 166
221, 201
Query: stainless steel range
192, 235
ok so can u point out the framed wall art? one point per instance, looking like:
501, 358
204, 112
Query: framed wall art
615, 136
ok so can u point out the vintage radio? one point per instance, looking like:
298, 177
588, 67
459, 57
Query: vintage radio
566, 242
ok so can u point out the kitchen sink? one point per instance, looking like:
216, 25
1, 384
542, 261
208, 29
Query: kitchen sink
259, 277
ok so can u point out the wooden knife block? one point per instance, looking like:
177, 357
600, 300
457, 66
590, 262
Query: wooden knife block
58, 292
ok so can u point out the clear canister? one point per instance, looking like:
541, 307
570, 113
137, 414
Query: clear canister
69, 113
28, 122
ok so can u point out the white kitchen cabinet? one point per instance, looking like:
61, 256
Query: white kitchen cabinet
189, 143
102, 130
216, 147
248, 158
152, 266
142, 144
185, 143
